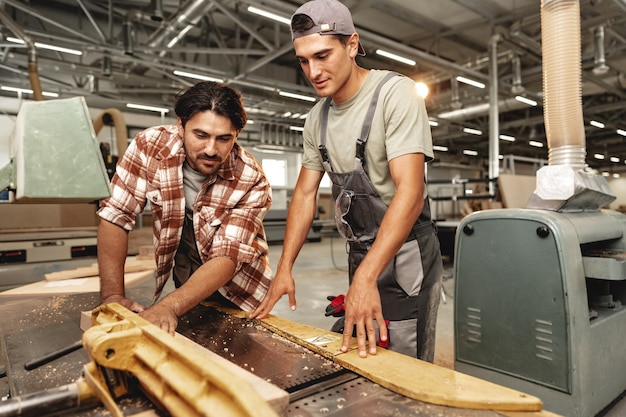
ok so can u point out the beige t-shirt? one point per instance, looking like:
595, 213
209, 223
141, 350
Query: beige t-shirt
399, 127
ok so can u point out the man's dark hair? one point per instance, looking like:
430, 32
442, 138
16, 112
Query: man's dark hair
302, 23
217, 97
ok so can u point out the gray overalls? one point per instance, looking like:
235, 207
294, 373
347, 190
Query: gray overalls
410, 286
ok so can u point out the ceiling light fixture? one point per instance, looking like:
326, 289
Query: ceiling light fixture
46, 46
440, 148
149, 108
396, 57
621, 132
269, 15
468, 81
472, 131
27, 91
297, 96
507, 138
535, 144
598, 156
198, 76
526, 100
614, 159
296, 128
433, 123
597, 124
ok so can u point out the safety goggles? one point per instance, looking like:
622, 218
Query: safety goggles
342, 207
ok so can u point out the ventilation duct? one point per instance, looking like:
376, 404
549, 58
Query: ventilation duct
599, 61
33, 71
562, 185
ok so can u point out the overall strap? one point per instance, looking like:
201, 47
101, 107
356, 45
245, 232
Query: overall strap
367, 122
323, 128
365, 129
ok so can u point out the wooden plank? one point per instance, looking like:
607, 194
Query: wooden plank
516, 189
405, 375
71, 286
132, 265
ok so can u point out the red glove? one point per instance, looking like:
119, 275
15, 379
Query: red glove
336, 308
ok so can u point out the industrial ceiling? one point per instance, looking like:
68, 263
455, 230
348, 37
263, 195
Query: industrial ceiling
129, 50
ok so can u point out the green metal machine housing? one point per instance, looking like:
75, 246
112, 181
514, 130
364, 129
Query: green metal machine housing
539, 304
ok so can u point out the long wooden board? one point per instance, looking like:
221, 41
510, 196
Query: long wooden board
408, 376
71, 286
132, 265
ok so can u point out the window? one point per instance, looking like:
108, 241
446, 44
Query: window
275, 171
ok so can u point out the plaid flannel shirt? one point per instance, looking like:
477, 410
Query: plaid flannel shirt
228, 212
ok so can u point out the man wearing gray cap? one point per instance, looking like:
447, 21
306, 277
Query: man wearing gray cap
378, 187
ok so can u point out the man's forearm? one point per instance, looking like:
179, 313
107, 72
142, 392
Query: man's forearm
112, 251
207, 279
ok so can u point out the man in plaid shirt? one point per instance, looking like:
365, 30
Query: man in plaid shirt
208, 198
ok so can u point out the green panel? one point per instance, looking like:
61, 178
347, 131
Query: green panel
6, 176
510, 313
57, 153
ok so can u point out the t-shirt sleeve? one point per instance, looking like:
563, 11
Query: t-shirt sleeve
408, 130
311, 158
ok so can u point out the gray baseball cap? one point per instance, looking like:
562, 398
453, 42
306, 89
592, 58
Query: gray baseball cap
330, 17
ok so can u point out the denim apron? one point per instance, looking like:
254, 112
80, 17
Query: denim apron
410, 285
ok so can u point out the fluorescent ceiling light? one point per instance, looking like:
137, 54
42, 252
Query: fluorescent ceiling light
597, 124
197, 76
396, 57
465, 80
297, 96
269, 15
440, 148
286, 114
614, 159
472, 131
535, 144
598, 156
526, 100
296, 128
149, 108
46, 46
250, 122
605, 174
433, 123
304, 116
28, 91
616, 175
507, 138
621, 132
470, 152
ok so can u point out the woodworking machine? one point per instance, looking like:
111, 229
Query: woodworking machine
313, 384
540, 291
27, 257
539, 304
